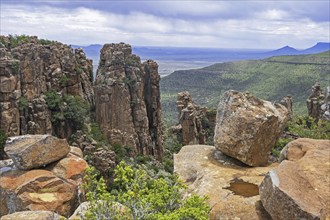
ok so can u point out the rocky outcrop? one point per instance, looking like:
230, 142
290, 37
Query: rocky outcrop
318, 104
33, 215
299, 187
247, 127
127, 100
33, 151
231, 186
196, 124
30, 69
54, 187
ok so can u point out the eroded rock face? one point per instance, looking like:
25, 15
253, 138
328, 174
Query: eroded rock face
33, 151
206, 171
196, 124
127, 100
318, 104
27, 72
299, 187
247, 127
33, 215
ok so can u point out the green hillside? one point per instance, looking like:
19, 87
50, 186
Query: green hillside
269, 79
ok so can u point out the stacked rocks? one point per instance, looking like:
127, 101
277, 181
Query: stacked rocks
44, 173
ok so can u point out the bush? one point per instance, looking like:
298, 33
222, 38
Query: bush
22, 103
64, 80
75, 111
3, 138
144, 196
306, 127
53, 100
72, 109
15, 66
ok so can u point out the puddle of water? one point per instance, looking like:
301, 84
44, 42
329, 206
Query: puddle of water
242, 188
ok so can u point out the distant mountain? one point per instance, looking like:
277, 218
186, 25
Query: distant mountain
287, 50
270, 79
317, 48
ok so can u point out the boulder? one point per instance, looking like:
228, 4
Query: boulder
33, 151
120, 209
232, 187
76, 151
36, 190
247, 127
70, 167
33, 215
299, 187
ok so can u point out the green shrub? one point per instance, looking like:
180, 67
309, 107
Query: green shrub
306, 127
144, 196
22, 103
53, 100
3, 138
75, 111
45, 42
72, 109
63, 80
15, 67
280, 144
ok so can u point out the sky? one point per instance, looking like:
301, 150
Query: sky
182, 23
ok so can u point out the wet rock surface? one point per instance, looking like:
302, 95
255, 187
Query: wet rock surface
299, 187
127, 100
248, 127
207, 171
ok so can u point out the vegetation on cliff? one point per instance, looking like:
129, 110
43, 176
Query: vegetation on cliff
269, 79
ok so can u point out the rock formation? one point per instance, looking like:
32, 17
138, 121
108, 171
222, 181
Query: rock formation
30, 69
318, 104
33, 215
33, 151
196, 124
54, 187
299, 187
231, 186
127, 100
247, 127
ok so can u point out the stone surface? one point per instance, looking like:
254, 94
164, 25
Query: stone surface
79, 214
104, 161
27, 72
32, 151
299, 187
33, 215
247, 127
36, 190
127, 100
207, 171
196, 124
76, 151
70, 167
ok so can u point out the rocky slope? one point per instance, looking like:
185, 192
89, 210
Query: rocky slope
127, 100
31, 68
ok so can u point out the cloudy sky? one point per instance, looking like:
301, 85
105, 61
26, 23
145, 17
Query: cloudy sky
224, 24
